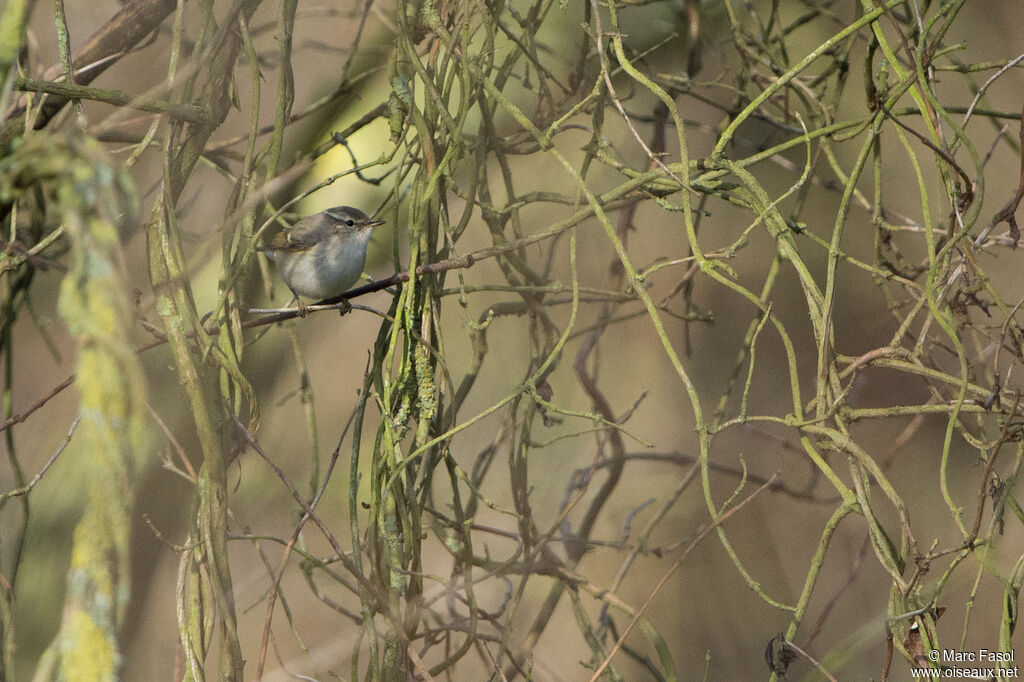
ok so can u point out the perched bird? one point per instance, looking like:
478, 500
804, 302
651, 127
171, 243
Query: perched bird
322, 255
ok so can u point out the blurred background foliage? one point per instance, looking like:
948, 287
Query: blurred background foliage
699, 360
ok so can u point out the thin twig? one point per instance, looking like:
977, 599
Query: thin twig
27, 488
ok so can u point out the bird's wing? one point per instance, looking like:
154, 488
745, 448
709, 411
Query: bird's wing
300, 237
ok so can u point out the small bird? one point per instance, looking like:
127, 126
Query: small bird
322, 255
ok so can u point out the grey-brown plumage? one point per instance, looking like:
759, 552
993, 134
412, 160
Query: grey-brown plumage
323, 255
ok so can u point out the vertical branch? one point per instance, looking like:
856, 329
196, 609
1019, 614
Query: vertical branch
92, 198
199, 364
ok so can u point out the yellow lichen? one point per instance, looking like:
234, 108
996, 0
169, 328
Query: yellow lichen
88, 655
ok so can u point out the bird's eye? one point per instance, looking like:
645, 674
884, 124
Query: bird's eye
350, 222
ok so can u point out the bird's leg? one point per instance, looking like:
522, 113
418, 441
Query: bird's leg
298, 301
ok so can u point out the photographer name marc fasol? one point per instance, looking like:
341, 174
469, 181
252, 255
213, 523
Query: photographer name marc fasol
981, 655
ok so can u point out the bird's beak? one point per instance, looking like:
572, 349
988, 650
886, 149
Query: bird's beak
374, 223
